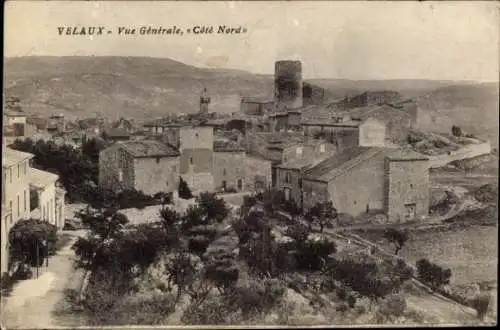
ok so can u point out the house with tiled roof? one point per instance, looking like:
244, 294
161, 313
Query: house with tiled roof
394, 181
145, 165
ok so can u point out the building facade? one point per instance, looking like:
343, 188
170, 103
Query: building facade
363, 179
235, 170
144, 165
19, 178
196, 157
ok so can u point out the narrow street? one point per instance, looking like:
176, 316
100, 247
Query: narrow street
41, 302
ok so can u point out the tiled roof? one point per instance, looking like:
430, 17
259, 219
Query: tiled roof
149, 148
227, 146
117, 132
12, 113
405, 154
41, 179
12, 157
336, 165
163, 122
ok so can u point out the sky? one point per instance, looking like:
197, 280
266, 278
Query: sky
343, 40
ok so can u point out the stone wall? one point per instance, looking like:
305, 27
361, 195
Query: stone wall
156, 174
231, 167
201, 137
360, 188
314, 192
112, 162
196, 161
228, 169
407, 183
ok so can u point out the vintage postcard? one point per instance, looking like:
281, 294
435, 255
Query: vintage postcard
249, 164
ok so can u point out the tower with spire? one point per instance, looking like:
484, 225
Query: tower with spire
204, 101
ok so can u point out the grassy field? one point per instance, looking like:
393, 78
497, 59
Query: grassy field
470, 252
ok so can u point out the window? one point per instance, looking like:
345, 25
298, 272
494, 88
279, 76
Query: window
157, 160
18, 207
26, 168
240, 184
288, 177
224, 171
410, 211
10, 206
25, 200
191, 160
224, 185
411, 185
18, 170
120, 175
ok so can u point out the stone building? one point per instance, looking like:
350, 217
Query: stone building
362, 179
14, 126
346, 133
167, 131
233, 169
144, 165
296, 159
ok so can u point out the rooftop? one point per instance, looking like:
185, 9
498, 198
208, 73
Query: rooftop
332, 167
11, 113
117, 132
149, 148
41, 179
227, 146
13, 157
405, 154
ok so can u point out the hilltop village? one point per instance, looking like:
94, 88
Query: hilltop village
289, 170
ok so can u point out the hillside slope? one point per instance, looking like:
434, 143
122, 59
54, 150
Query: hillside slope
475, 108
118, 86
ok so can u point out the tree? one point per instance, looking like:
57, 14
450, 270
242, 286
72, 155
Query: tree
433, 274
184, 191
456, 131
212, 207
397, 237
322, 213
31, 240
182, 269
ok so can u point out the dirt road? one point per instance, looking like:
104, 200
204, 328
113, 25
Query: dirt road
40, 302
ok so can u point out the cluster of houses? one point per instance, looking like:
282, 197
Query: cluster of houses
350, 152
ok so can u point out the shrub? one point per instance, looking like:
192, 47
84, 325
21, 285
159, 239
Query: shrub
481, 304
432, 274
212, 207
397, 237
184, 191
198, 244
456, 131
26, 240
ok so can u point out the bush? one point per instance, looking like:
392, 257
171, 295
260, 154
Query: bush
26, 240
184, 191
397, 237
481, 304
212, 207
198, 244
456, 131
432, 274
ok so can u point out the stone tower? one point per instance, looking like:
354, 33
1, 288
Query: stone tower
288, 84
204, 101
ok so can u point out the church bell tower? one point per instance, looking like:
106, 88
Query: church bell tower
204, 101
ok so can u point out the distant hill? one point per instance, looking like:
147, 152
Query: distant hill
142, 87
475, 108
118, 86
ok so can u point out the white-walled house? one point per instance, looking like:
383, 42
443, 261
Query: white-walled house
20, 180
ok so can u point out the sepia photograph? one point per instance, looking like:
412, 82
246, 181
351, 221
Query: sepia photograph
249, 163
